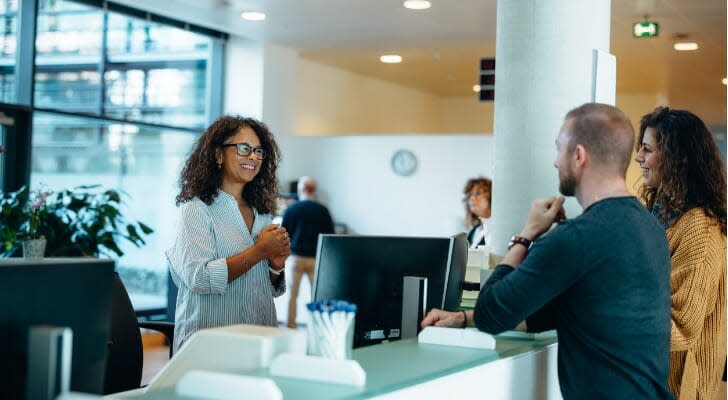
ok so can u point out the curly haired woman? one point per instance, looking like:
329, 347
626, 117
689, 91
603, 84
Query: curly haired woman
228, 259
685, 187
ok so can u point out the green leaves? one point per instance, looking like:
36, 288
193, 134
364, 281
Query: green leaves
82, 221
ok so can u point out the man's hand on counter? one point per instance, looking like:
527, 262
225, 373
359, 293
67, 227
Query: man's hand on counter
447, 319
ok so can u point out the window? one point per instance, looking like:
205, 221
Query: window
8, 44
151, 72
144, 162
119, 100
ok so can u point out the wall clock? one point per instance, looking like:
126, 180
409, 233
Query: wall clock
404, 162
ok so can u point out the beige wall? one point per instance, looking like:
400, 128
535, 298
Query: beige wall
466, 115
332, 101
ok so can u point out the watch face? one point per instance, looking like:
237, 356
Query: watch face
404, 162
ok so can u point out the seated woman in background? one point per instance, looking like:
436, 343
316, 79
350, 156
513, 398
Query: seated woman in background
477, 210
685, 187
227, 259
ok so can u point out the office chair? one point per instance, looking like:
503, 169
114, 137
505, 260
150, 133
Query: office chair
125, 355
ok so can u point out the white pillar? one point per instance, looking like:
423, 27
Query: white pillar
543, 69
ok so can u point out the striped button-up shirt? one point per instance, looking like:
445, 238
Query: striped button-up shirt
206, 235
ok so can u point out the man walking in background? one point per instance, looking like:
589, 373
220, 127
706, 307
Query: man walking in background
304, 221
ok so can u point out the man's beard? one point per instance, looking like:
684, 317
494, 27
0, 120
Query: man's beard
567, 184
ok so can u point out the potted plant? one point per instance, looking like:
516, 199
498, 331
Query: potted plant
82, 221
35, 243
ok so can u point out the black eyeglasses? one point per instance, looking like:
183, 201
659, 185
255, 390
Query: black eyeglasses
244, 150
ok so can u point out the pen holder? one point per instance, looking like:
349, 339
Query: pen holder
331, 328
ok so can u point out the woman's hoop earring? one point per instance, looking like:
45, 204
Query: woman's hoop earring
219, 167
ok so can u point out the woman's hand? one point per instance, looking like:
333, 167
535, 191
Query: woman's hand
279, 261
273, 242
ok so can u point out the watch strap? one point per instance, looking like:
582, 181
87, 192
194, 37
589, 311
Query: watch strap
515, 239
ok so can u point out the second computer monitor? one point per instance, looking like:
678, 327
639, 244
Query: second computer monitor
369, 271
61, 292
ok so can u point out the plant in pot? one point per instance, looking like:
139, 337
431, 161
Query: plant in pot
82, 221
34, 242
14, 221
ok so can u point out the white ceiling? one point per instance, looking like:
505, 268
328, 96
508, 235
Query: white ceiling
441, 46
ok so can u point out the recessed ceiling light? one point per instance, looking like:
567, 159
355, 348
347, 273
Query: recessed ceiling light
476, 88
391, 59
417, 4
252, 16
686, 46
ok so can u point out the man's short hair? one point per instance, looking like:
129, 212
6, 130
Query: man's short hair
605, 132
306, 184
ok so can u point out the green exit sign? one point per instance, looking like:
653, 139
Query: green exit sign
645, 29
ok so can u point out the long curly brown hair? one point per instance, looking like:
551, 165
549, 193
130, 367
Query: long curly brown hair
692, 171
201, 177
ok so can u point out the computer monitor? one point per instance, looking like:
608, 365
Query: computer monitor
63, 292
369, 271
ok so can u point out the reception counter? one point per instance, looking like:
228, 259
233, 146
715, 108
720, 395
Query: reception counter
516, 369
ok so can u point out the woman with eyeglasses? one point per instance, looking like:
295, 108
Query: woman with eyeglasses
685, 187
477, 210
228, 259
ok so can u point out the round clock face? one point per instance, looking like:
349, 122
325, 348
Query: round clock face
404, 162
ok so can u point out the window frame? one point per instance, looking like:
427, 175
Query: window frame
25, 69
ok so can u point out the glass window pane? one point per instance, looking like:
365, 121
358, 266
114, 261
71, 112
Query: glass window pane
156, 73
142, 162
128, 36
8, 44
68, 52
152, 73
73, 90
169, 96
67, 32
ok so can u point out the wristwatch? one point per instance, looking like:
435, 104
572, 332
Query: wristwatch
515, 239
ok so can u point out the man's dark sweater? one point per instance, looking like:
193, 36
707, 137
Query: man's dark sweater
602, 280
304, 221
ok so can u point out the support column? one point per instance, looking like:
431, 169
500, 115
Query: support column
543, 69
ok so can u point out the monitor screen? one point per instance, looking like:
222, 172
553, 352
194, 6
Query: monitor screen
369, 270
63, 292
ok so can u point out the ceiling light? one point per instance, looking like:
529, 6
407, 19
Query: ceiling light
417, 4
476, 88
252, 16
390, 59
724, 81
686, 46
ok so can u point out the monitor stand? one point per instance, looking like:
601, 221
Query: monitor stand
49, 362
414, 305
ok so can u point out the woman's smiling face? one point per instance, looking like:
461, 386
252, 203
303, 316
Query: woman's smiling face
648, 158
237, 168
